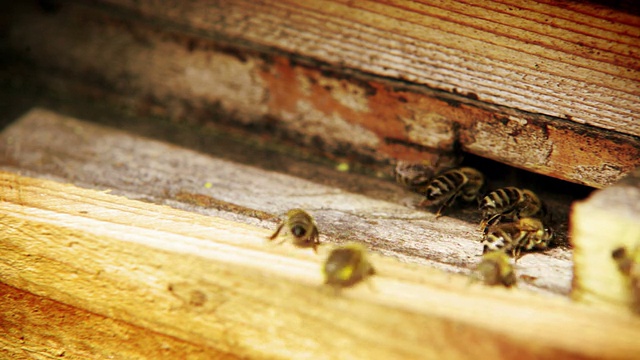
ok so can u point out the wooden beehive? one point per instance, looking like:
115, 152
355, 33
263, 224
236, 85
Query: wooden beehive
160, 251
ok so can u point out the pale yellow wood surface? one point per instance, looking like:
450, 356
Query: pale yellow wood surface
575, 61
607, 220
217, 283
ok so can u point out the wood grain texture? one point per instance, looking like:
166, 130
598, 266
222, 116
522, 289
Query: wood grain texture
213, 282
192, 79
579, 62
36, 327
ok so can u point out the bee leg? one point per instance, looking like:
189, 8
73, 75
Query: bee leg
275, 234
370, 285
517, 254
424, 203
315, 246
315, 237
495, 219
447, 203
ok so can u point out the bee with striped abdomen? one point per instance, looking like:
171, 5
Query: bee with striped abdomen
347, 265
525, 234
301, 227
496, 269
510, 203
443, 189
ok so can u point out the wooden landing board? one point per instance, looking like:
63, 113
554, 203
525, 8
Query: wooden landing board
196, 64
385, 216
216, 283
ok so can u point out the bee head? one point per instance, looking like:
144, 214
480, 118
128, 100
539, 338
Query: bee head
485, 249
619, 253
549, 233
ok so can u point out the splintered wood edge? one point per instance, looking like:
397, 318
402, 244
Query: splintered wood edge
218, 283
608, 219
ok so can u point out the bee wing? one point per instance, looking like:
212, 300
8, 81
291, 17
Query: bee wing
528, 227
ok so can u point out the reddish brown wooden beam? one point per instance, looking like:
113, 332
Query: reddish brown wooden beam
577, 62
192, 78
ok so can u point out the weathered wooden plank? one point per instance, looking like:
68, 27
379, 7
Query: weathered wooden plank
607, 220
145, 264
36, 327
192, 79
97, 157
548, 58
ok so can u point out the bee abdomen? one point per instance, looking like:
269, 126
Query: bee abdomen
444, 184
492, 243
497, 239
500, 200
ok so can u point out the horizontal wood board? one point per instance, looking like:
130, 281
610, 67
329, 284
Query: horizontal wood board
214, 282
577, 61
162, 71
348, 206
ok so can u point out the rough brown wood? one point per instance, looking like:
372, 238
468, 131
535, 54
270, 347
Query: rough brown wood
608, 219
213, 282
193, 79
579, 62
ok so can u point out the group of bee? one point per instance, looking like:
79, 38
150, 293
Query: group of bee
514, 221
346, 264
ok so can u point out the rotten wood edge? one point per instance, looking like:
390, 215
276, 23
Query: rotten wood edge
83, 248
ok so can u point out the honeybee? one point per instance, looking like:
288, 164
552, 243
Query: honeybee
302, 228
525, 234
347, 265
496, 269
413, 175
510, 203
629, 265
445, 188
